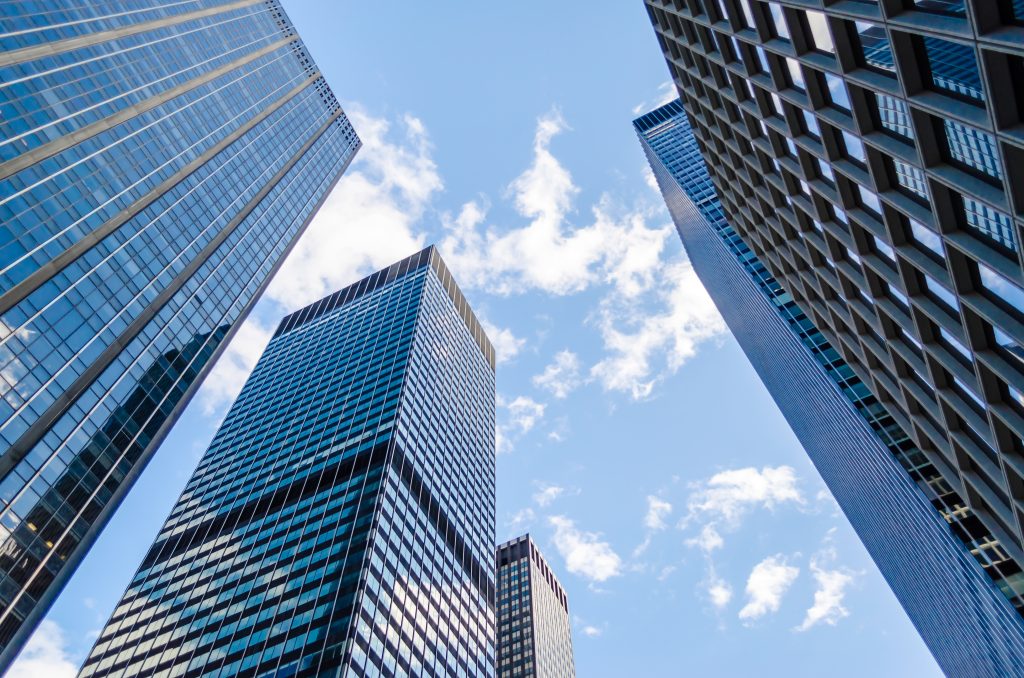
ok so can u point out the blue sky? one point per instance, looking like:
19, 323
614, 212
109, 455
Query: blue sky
637, 444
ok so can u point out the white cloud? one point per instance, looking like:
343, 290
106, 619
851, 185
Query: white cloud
521, 519
519, 417
766, 585
562, 376
232, 369
585, 553
828, 598
592, 631
729, 495
636, 336
657, 510
666, 93
45, 654
708, 540
524, 413
506, 345
547, 494
368, 220
719, 592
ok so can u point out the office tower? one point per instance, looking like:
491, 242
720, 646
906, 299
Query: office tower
157, 161
869, 164
534, 633
342, 520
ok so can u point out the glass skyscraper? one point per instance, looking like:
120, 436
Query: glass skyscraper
342, 520
534, 631
864, 155
157, 161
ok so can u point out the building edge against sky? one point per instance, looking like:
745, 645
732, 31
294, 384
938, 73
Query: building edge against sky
532, 614
343, 516
144, 206
882, 483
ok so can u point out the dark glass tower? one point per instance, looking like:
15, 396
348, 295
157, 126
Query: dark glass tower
534, 632
866, 152
157, 162
342, 521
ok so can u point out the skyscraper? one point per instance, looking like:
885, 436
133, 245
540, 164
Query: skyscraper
866, 164
342, 520
157, 162
534, 633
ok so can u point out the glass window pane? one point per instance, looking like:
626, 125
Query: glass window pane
811, 124
1001, 287
837, 91
869, 200
826, 171
951, 7
973, 147
954, 67
875, 48
944, 295
821, 38
990, 223
894, 116
911, 178
927, 237
854, 148
747, 14
796, 75
762, 58
780, 29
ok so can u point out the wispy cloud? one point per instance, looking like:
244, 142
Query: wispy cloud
585, 553
45, 654
767, 584
657, 510
518, 417
828, 598
547, 494
506, 344
666, 93
562, 376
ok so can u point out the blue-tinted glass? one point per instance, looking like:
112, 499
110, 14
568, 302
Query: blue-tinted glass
1001, 287
927, 237
796, 75
951, 7
837, 91
821, 37
780, 29
747, 14
990, 223
943, 294
954, 67
869, 200
973, 147
894, 116
811, 124
826, 171
875, 47
911, 178
762, 58
854, 148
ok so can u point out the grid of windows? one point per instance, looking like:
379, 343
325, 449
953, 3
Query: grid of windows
343, 515
534, 631
868, 495
156, 162
937, 70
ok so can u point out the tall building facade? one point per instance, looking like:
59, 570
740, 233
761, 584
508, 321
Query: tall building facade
534, 631
157, 161
865, 154
342, 520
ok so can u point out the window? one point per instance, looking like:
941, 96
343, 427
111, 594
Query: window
884, 249
869, 200
926, 238
748, 15
779, 27
796, 76
811, 124
821, 38
954, 68
910, 178
950, 7
854, 148
777, 101
1002, 288
894, 116
762, 59
973, 148
876, 52
990, 223
825, 170
941, 293
837, 91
